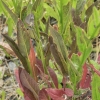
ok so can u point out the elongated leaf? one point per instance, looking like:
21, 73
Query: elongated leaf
55, 94
86, 78
23, 39
10, 26
49, 9
47, 54
66, 15
53, 76
75, 59
84, 45
23, 13
14, 4
80, 5
43, 95
65, 2
39, 65
59, 42
96, 64
77, 20
32, 59
2, 9
86, 54
28, 95
13, 16
36, 4
94, 24
58, 57
19, 7
7, 48
13, 45
81, 42
69, 92
29, 83
15, 48
74, 78
90, 9
96, 87
95, 70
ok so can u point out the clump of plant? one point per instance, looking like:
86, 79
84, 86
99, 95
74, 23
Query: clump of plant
60, 67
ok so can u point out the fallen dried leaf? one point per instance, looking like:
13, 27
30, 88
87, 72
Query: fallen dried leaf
7, 48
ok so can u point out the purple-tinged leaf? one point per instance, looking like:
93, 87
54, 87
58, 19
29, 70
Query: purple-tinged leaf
17, 74
64, 81
43, 95
55, 93
28, 95
28, 82
85, 70
39, 65
58, 94
53, 76
98, 60
69, 92
41, 73
86, 78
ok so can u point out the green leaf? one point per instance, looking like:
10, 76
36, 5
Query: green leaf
58, 40
19, 7
36, 4
74, 2
90, 9
80, 5
86, 53
40, 11
93, 24
23, 13
2, 9
3, 95
10, 26
19, 92
66, 15
23, 39
95, 87
13, 16
65, 2
84, 45
14, 4
49, 10
82, 39
74, 79
59, 77
76, 61
96, 65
